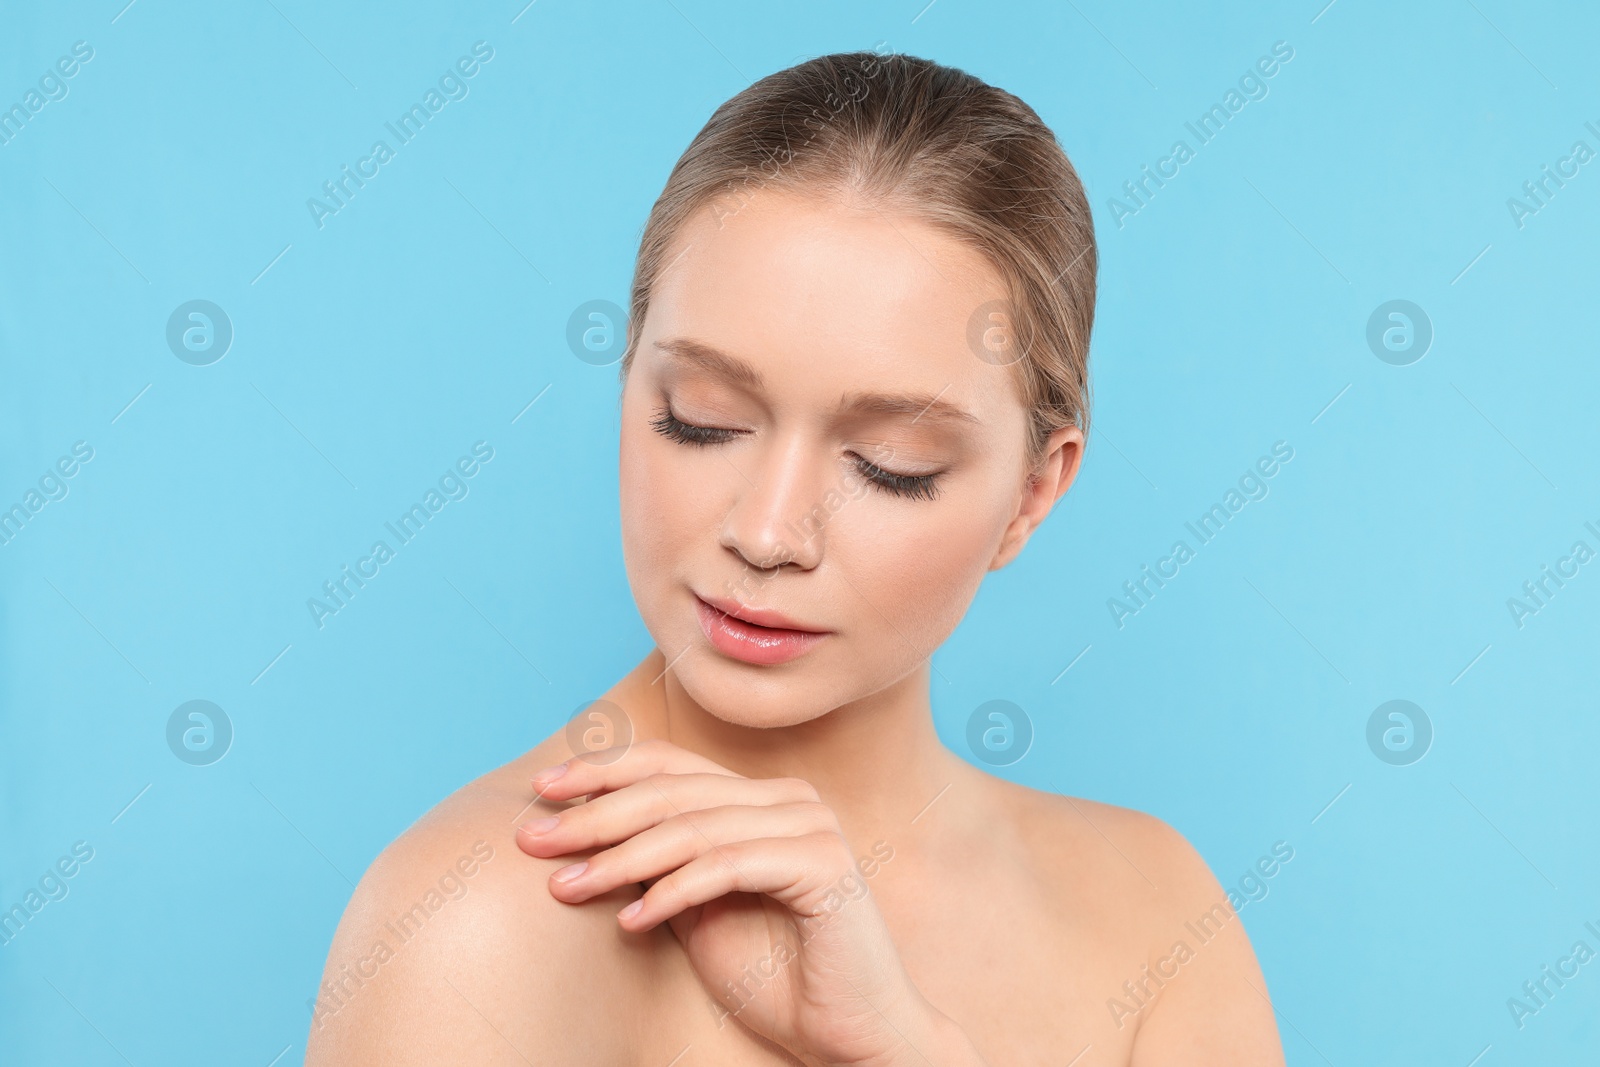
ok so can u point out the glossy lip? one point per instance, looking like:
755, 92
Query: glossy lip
772, 620
752, 635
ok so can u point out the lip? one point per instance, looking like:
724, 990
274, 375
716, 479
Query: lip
754, 635
763, 617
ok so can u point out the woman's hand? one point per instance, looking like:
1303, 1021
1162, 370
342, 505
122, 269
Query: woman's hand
760, 887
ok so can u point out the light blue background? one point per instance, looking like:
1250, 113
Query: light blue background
428, 313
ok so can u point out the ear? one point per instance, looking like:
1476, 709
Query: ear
1063, 456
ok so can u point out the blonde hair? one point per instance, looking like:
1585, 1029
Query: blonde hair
938, 144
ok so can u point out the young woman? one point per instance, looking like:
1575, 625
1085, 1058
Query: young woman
855, 383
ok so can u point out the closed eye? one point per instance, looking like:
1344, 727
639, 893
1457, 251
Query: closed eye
911, 486
669, 425
914, 486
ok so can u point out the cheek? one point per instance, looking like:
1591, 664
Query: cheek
918, 564
664, 528
648, 513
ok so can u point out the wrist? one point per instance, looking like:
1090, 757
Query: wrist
949, 1045
938, 1040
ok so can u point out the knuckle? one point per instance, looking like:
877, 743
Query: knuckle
736, 866
800, 788
682, 825
731, 857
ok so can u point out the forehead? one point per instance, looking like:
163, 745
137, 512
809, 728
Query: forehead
831, 297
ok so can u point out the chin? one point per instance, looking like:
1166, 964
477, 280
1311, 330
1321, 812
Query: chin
760, 697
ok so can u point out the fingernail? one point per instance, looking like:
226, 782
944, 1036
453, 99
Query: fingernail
631, 910
541, 826
550, 774
567, 874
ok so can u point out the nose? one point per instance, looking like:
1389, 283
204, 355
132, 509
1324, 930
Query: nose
779, 516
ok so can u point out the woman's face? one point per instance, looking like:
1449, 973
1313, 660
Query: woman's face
817, 469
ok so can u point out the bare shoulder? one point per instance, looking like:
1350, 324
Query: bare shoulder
1131, 854
1193, 989
452, 949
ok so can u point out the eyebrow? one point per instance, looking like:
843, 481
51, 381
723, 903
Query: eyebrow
712, 361
918, 405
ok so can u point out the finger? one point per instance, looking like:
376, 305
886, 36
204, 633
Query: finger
798, 872
597, 772
682, 839
634, 808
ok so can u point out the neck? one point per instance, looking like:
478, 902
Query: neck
877, 761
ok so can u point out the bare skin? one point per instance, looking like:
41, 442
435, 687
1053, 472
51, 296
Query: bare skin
1019, 913
822, 881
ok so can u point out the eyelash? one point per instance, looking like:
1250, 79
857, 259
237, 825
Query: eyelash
911, 486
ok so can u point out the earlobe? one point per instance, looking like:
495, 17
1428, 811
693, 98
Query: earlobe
1015, 537
1028, 517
